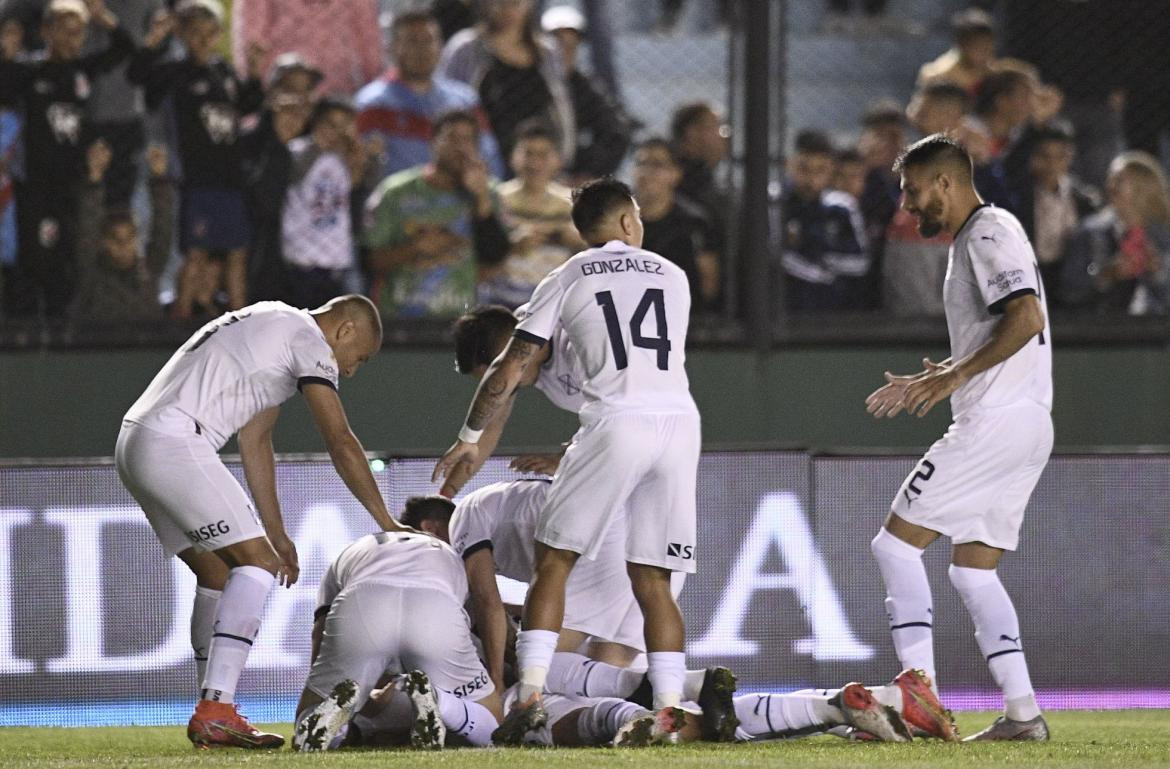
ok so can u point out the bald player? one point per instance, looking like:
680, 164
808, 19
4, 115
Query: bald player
974, 482
230, 379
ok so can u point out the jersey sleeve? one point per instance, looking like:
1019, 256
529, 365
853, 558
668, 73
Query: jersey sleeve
543, 311
312, 361
471, 529
1002, 265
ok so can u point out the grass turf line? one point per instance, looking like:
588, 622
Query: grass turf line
1127, 738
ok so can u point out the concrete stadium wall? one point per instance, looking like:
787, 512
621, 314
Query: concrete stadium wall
69, 403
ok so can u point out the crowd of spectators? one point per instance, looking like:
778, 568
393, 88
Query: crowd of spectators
843, 243
426, 159
301, 159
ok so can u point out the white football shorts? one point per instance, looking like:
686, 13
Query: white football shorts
975, 481
189, 496
374, 628
643, 463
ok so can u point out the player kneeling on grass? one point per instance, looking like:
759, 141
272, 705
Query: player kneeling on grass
390, 604
230, 379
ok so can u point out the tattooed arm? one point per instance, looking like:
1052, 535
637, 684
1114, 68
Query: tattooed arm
495, 390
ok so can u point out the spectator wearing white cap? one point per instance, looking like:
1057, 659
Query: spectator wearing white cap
602, 127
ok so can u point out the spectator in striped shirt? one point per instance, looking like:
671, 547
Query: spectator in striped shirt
400, 107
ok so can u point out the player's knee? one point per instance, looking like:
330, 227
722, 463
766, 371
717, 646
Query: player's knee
886, 545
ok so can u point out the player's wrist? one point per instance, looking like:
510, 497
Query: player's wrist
468, 435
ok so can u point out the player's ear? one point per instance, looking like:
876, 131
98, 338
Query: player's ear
346, 330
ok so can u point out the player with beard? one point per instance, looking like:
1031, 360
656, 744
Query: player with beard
974, 483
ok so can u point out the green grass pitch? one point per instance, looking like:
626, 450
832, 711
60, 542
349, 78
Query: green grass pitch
1127, 738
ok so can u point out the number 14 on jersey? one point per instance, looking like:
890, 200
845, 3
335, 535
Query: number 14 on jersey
653, 298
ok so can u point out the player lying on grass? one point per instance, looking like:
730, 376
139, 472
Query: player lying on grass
493, 529
392, 603
410, 711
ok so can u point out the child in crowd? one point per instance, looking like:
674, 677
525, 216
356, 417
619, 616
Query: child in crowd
117, 283
208, 101
537, 212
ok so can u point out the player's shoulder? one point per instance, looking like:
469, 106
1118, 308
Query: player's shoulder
993, 227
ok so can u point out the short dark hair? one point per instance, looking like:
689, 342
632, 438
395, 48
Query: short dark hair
411, 16
327, 104
848, 155
597, 199
1055, 131
996, 84
535, 128
480, 335
658, 143
971, 23
429, 508
451, 117
686, 116
813, 142
117, 217
885, 112
936, 148
946, 90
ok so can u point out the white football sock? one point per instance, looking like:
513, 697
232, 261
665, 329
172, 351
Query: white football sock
237, 620
600, 722
469, 720
693, 685
997, 631
667, 674
394, 714
888, 695
202, 620
534, 655
908, 602
780, 715
580, 676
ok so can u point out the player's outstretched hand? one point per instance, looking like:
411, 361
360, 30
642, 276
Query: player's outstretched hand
460, 451
889, 400
934, 386
290, 568
545, 464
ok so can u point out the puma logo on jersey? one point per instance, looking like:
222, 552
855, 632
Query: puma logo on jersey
1015, 640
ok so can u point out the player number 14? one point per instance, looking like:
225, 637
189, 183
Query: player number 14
653, 298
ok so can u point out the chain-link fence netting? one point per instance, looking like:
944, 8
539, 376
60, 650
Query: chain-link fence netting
1061, 105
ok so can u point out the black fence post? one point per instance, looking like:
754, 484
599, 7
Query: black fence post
754, 262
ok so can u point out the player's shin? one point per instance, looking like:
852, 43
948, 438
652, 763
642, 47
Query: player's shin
787, 715
202, 620
580, 676
534, 655
908, 601
237, 620
599, 723
997, 631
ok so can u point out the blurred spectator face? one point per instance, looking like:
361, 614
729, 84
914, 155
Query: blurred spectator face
656, 175
850, 177
200, 34
811, 173
64, 36
706, 139
933, 115
880, 144
922, 199
454, 147
569, 41
333, 130
1120, 189
120, 244
296, 82
415, 49
1051, 161
977, 51
536, 161
508, 14
1016, 104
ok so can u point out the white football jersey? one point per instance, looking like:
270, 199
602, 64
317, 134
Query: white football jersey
560, 377
232, 369
991, 262
625, 312
395, 558
501, 516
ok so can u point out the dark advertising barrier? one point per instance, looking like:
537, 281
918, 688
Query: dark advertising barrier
94, 621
